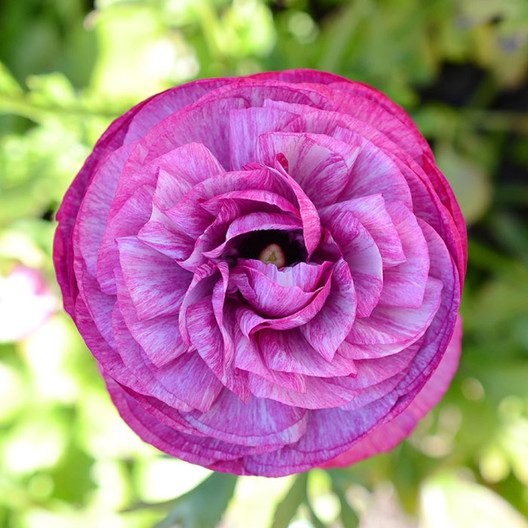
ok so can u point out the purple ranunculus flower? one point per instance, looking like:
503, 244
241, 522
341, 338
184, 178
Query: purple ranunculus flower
268, 271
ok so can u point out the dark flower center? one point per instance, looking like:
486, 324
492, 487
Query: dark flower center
282, 248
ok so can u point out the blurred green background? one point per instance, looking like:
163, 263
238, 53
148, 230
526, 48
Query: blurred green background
68, 67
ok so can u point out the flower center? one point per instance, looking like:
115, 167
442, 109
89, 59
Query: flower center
273, 254
282, 248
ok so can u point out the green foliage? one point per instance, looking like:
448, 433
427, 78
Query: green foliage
201, 507
68, 67
288, 506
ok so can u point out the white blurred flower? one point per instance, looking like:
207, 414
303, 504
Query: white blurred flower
26, 302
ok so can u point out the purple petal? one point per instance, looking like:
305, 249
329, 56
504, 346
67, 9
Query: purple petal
328, 329
146, 421
387, 435
172, 383
245, 127
180, 170
288, 351
307, 210
277, 293
257, 422
159, 338
250, 321
390, 324
156, 283
123, 222
249, 358
207, 338
201, 287
404, 285
360, 253
258, 199
371, 211
374, 172
206, 122
319, 164
95, 207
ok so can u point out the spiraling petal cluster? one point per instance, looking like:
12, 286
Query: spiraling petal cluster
268, 271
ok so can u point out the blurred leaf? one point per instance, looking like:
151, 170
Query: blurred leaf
338, 32
8, 84
288, 506
72, 476
511, 233
203, 506
469, 181
161, 56
448, 500
52, 89
348, 516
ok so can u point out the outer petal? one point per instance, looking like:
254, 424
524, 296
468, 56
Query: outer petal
388, 435
126, 129
257, 422
123, 222
405, 284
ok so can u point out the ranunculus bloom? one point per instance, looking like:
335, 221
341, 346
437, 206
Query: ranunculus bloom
268, 271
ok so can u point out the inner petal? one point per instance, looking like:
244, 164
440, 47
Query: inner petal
277, 293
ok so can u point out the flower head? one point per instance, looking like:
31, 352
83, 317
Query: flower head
267, 269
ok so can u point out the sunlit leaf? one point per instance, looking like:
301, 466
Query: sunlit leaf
202, 507
8, 84
288, 506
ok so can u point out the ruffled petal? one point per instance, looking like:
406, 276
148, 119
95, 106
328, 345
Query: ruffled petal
175, 382
179, 170
391, 324
289, 351
254, 423
320, 165
361, 254
387, 435
159, 337
278, 293
123, 222
371, 211
404, 285
251, 322
328, 329
156, 284
245, 127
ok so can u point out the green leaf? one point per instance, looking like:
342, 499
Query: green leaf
468, 179
288, 506
203, 506
348, 516
72, 476
8, 84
